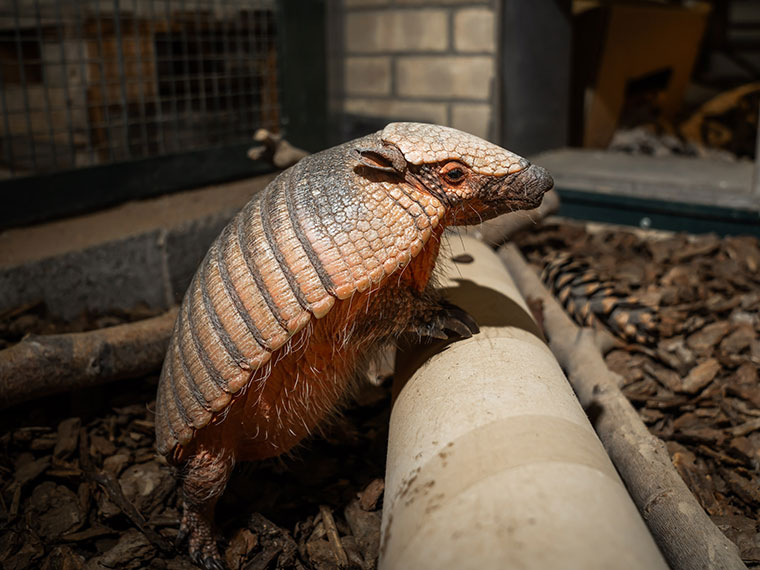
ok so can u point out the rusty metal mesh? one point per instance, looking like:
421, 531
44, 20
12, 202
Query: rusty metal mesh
99, 81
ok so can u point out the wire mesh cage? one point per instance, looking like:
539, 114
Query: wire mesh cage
95, 82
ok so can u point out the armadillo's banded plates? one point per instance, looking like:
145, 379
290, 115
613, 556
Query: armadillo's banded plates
279, 224
424, 143
283, 300
226, 303
172, 421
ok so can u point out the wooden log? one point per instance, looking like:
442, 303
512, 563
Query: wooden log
683, 531
41, 366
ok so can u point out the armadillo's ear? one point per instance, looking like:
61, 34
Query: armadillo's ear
387, 158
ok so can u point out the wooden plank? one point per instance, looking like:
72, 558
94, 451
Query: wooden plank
658, 214
700, 181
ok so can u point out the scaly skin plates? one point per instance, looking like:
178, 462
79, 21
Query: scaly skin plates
423, 143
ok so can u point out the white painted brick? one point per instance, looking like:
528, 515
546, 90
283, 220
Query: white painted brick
367, 76
396, 31
473, 118
444, 77
393, 109
475, 30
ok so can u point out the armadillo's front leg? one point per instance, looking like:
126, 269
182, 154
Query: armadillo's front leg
422, 313
206, 475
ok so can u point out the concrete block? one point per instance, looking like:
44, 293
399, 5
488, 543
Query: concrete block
16, 98
115, 275
367, 76
68, 73
394, 31
51, 62
138, 253
186, 245
466, 77
395, 110
42, 104
473, 118
475, 30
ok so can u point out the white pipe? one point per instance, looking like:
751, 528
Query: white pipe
492, 463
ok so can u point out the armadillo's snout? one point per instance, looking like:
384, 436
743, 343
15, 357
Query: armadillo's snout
533, 182
521, 190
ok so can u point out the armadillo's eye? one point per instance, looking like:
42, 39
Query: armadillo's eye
453, 172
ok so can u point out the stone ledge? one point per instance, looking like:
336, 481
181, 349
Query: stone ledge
686, 180
140, 253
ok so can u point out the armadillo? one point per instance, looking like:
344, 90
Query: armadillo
331, 260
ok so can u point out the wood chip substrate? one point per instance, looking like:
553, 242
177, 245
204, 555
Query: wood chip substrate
697, 387
81, 486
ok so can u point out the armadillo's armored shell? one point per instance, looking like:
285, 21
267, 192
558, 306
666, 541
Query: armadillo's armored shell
425, 143
318, 233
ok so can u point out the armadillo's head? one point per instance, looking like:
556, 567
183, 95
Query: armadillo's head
474, 179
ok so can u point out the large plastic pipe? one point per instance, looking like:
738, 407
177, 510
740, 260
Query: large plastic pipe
492, 463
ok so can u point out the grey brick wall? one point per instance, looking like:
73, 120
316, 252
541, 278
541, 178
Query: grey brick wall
423, 60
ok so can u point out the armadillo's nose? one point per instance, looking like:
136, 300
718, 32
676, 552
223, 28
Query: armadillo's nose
534, 182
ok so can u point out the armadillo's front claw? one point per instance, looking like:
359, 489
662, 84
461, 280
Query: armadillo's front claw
459, 328
450, 321
201, 544
459, 321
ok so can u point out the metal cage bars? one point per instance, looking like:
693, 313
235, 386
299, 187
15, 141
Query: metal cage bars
102, 81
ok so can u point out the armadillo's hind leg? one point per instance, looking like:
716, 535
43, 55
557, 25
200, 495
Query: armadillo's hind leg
204, 479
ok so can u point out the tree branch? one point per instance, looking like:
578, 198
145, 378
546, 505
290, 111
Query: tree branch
41, 366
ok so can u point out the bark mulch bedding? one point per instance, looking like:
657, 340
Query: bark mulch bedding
697, 388
81, 486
